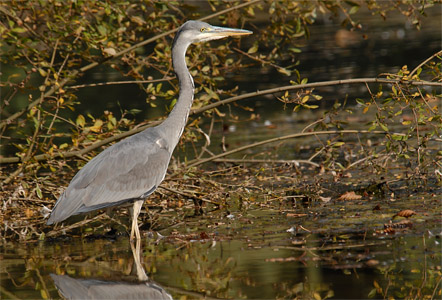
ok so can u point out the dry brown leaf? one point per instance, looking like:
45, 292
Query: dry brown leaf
110, 51
295, 215
377, 207
29, 213
405, 213
204, 235
392, 228
372, 262
404, 224
349, 196
325, 199
389, 230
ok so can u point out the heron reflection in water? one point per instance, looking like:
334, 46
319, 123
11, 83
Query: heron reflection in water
129, 171
143, 288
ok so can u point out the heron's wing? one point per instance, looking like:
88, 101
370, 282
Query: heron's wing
132, 168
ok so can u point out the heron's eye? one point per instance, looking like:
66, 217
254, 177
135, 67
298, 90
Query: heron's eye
203, 29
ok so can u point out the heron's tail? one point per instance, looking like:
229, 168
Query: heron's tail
63, 209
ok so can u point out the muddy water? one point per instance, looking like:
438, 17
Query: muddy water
332, 249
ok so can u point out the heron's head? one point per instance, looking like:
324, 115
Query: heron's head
197, 31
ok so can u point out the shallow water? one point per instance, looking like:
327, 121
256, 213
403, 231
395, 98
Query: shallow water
336, 249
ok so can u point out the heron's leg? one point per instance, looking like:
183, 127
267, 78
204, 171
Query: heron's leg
135, 211
137, 255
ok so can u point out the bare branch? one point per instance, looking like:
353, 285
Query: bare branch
194, 163
424, 62
119, 82
219, 103
313, 85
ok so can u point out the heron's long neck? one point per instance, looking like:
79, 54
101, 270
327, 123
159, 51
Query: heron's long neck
176, 121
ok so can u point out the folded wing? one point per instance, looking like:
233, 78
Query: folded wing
130, 169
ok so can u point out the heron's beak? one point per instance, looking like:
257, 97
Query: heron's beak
224, 31
215, 33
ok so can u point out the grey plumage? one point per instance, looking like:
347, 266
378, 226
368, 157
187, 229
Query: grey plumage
132, 169
72, 288
127, 170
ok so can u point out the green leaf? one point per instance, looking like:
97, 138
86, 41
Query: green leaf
43, 294
42, 72
418, 72
338, 144
383, 126
353, 10
272, 8
97, 126
372, 127
253, 49
205, 69
399, 137
372, 293
149, 88
172, 104
250, 11
361, 101
284, 71
295, 50
387, 100
159, 85
310, 106
19, 30
134, 111
102, 29
39, 193
80, 121
113, 120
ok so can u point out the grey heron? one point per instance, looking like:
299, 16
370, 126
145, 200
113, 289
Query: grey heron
130, 170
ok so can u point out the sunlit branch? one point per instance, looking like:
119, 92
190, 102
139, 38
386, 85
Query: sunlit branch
119, 82
314, 85
69, 154
424, 62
